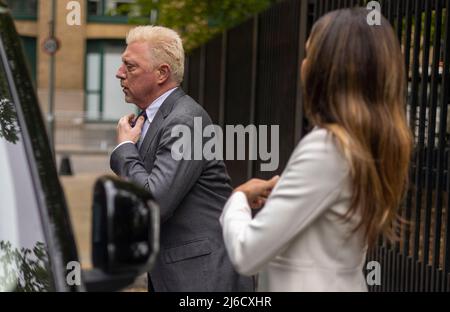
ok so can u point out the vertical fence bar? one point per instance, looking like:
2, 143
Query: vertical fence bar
445, 98
321, 7
389, 12
422, 121
431, 131
201, 87
316, 5
397, 268
441, 141
438, 280
240, 91
399, 15
250, 167
391, 272
302, 37
384, 264
185, 84
416, 276
194, 74
397, 272
223, 73
413, 100
408, 206
408, 274
383, 7
427, 283
378, 258
214, 79
332, 5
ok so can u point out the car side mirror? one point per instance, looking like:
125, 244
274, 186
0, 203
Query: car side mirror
125, 234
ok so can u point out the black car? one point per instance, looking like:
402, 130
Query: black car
37, 246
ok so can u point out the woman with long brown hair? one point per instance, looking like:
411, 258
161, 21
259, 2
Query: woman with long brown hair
345, 180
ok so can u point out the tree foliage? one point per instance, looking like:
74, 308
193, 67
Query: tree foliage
24, 270
8, 123
195, 20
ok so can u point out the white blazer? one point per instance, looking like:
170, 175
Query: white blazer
299, 241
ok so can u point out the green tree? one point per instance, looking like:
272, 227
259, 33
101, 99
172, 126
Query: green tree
196, 21
24, 270
8, 123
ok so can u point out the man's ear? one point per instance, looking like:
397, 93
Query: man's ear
164, 73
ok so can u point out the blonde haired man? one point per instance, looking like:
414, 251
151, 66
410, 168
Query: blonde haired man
191, 193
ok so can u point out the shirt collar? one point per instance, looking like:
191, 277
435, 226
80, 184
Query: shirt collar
152, 109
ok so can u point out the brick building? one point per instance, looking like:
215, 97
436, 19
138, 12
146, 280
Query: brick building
88, 98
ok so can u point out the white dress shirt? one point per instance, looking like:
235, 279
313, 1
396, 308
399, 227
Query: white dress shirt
151, 111
299, 241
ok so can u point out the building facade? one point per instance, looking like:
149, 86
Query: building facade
87, 94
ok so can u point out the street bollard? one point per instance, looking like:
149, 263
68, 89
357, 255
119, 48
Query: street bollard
65, 168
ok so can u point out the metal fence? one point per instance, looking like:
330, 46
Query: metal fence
251, 75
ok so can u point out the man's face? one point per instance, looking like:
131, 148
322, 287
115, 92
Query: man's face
138, 75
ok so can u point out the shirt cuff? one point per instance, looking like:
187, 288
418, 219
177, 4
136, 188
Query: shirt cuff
237, 201
121, 145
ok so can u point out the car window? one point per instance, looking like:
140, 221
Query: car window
24, 261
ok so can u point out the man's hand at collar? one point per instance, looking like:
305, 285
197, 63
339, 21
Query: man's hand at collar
125, 132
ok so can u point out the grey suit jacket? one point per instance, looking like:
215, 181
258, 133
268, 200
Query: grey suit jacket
191, 195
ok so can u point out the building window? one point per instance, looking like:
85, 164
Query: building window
108, 10
104, 99
23, 9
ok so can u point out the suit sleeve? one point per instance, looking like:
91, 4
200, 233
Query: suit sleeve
170, 179
309, 185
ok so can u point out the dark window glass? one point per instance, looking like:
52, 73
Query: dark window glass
109, 7
121, 8
23, 8
94, 7
24, 261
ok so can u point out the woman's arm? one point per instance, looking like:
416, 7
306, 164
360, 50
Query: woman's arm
310, 184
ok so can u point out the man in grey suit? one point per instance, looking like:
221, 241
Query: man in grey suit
191, 193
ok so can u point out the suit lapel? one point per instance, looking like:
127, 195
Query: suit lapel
151, 132
163, 111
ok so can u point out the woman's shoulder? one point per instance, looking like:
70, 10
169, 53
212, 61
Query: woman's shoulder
319, 138
320, 147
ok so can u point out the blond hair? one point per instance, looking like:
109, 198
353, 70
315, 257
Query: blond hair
166, 47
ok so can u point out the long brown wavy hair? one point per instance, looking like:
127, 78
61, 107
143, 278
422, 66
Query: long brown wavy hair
354, 86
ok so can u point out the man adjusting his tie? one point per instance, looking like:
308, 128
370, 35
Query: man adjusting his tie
190, 193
